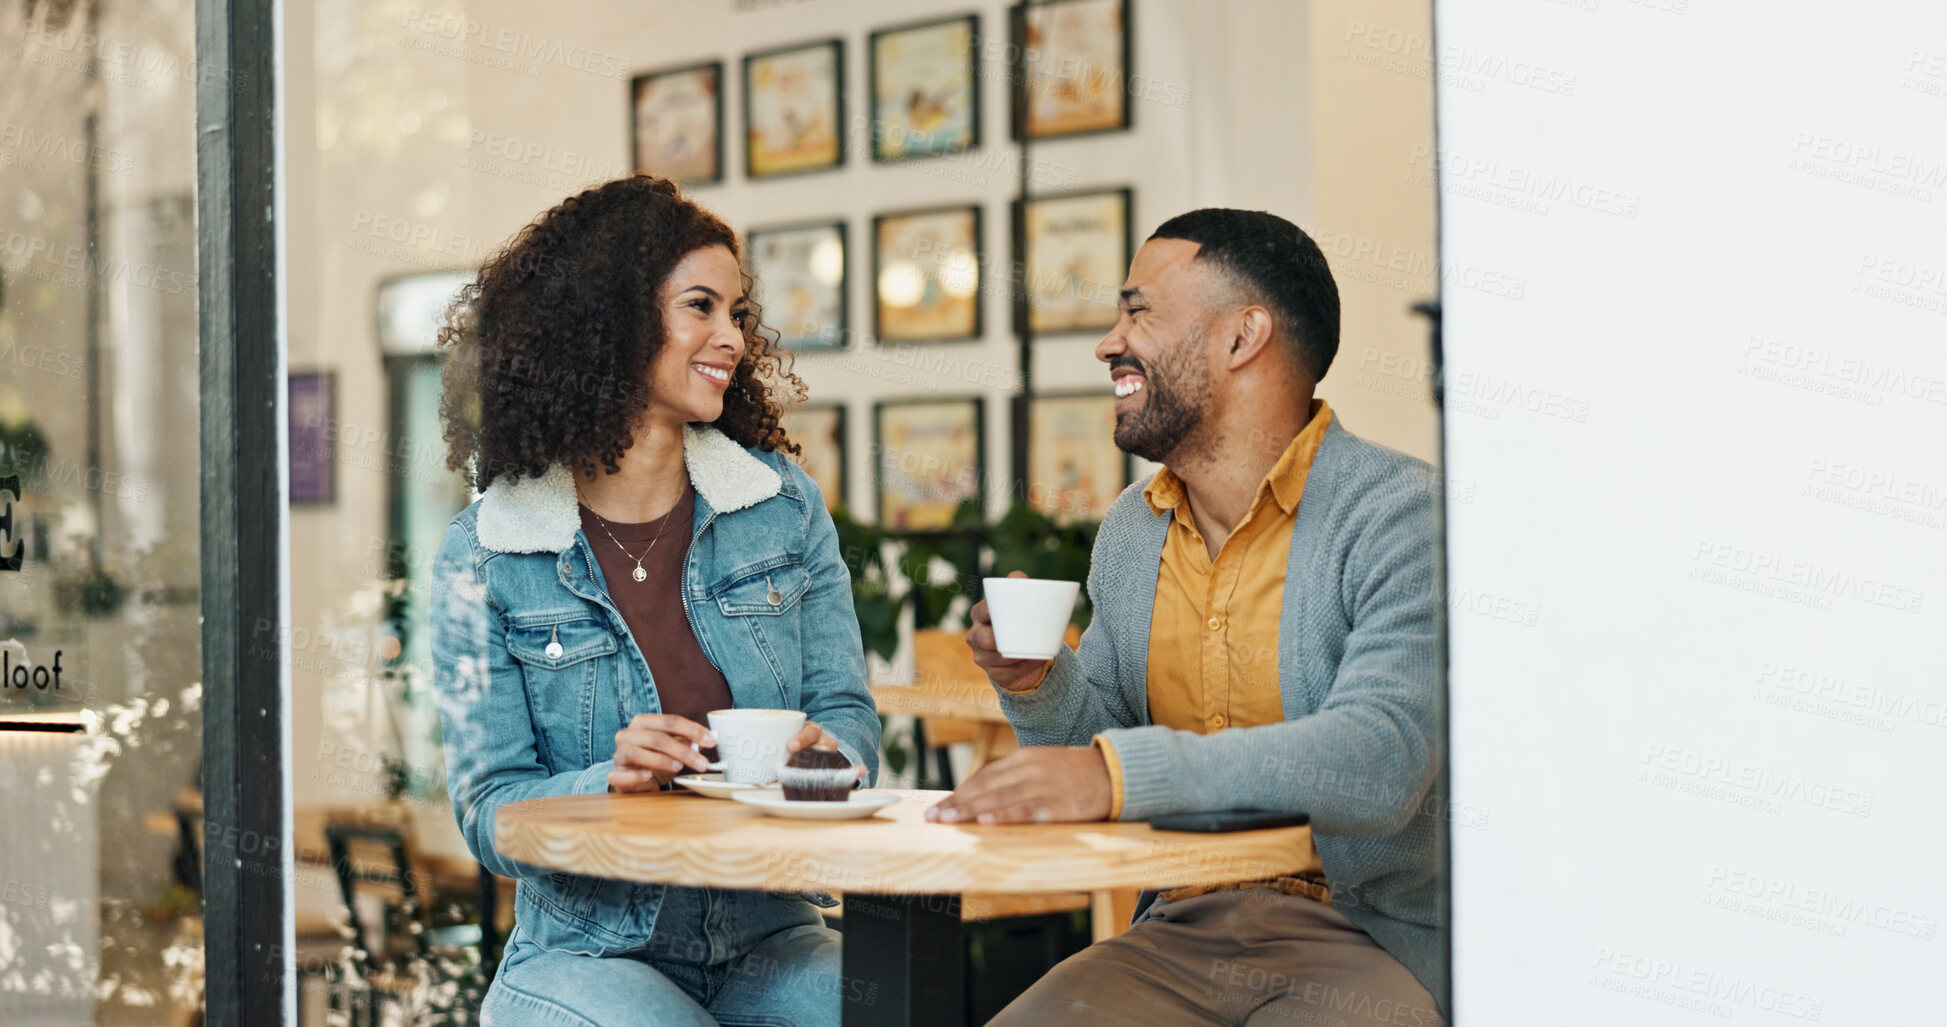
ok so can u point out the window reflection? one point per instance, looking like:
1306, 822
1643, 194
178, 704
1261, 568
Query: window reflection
100, 732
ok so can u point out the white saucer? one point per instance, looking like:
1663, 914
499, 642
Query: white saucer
857, 805
714, 786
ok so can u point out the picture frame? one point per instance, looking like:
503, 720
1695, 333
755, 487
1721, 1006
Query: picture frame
927, 275
929, 456
676, 123
1074, 67
1074, 250
1075, 469
311, 420
819, 430
794, 109
923, 89
802, 273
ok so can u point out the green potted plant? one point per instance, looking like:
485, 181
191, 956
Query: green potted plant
860, 547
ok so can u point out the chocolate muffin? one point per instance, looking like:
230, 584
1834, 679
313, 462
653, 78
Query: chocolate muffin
817, 775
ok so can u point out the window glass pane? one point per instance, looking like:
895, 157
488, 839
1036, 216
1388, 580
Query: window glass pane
422, 137
100, 723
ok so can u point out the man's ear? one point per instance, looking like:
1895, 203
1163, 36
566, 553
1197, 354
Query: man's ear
1251, 335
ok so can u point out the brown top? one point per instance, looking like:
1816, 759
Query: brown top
688, 684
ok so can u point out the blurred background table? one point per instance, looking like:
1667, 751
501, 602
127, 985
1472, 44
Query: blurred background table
901, 875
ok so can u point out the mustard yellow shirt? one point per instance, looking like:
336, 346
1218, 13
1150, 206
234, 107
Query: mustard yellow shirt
1213, 636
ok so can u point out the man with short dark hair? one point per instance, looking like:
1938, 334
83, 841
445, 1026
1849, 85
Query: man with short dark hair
1265, 637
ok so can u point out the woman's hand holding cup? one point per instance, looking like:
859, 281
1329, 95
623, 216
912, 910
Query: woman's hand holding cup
654, 748
811, 736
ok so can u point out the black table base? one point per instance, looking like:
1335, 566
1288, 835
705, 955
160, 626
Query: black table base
904, 963
908, 958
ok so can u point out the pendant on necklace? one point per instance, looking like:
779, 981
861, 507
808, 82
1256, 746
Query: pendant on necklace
639, 574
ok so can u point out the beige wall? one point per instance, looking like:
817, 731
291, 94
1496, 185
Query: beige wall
1374, 219
388, 137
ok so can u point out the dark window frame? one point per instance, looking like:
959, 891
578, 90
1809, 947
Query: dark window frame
247, 940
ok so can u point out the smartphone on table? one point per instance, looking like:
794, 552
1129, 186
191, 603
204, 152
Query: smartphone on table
1214, 821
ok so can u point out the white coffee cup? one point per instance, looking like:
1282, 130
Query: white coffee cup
1030, 615
750, 742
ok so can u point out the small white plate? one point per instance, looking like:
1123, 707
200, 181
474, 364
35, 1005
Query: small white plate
857, 805
714, 786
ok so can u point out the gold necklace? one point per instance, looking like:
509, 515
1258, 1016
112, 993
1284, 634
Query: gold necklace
639, 574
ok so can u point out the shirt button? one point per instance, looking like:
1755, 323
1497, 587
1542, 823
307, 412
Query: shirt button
1213, 624
1218, 720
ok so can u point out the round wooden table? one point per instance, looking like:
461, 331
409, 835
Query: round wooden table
901, 875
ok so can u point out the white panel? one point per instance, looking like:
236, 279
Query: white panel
50, 886
1699, 684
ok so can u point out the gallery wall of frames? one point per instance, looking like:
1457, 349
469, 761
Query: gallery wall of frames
1064, 70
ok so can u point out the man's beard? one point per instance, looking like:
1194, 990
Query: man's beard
1176, 389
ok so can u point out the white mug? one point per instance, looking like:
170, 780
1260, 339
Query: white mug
750, 742
1030, 615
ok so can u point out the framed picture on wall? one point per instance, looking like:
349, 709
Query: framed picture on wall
1074, 68
794, 109
1074, 251
800, 271
925, 90
1074, 468
926, 275
676, 123
819, 431
313, 408
928, 456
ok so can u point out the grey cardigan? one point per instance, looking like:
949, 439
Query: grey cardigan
1358, 665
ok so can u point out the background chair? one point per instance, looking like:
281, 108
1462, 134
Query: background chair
389, 902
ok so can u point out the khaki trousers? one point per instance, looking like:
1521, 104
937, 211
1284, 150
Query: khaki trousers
1252, 956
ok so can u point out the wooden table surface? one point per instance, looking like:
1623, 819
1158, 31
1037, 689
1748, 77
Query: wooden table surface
968, 702
674, 838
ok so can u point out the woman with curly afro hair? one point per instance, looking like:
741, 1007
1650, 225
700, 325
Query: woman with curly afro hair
643, 554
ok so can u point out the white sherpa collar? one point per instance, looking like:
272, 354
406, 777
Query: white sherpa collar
724, 473
539, 515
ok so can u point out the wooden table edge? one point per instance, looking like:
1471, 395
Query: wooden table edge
526, 832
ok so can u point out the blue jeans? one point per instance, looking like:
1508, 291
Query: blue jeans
715, 957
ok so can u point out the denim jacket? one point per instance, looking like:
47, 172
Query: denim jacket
767, 595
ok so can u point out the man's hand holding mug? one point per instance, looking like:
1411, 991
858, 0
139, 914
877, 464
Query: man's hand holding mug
1014, 640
